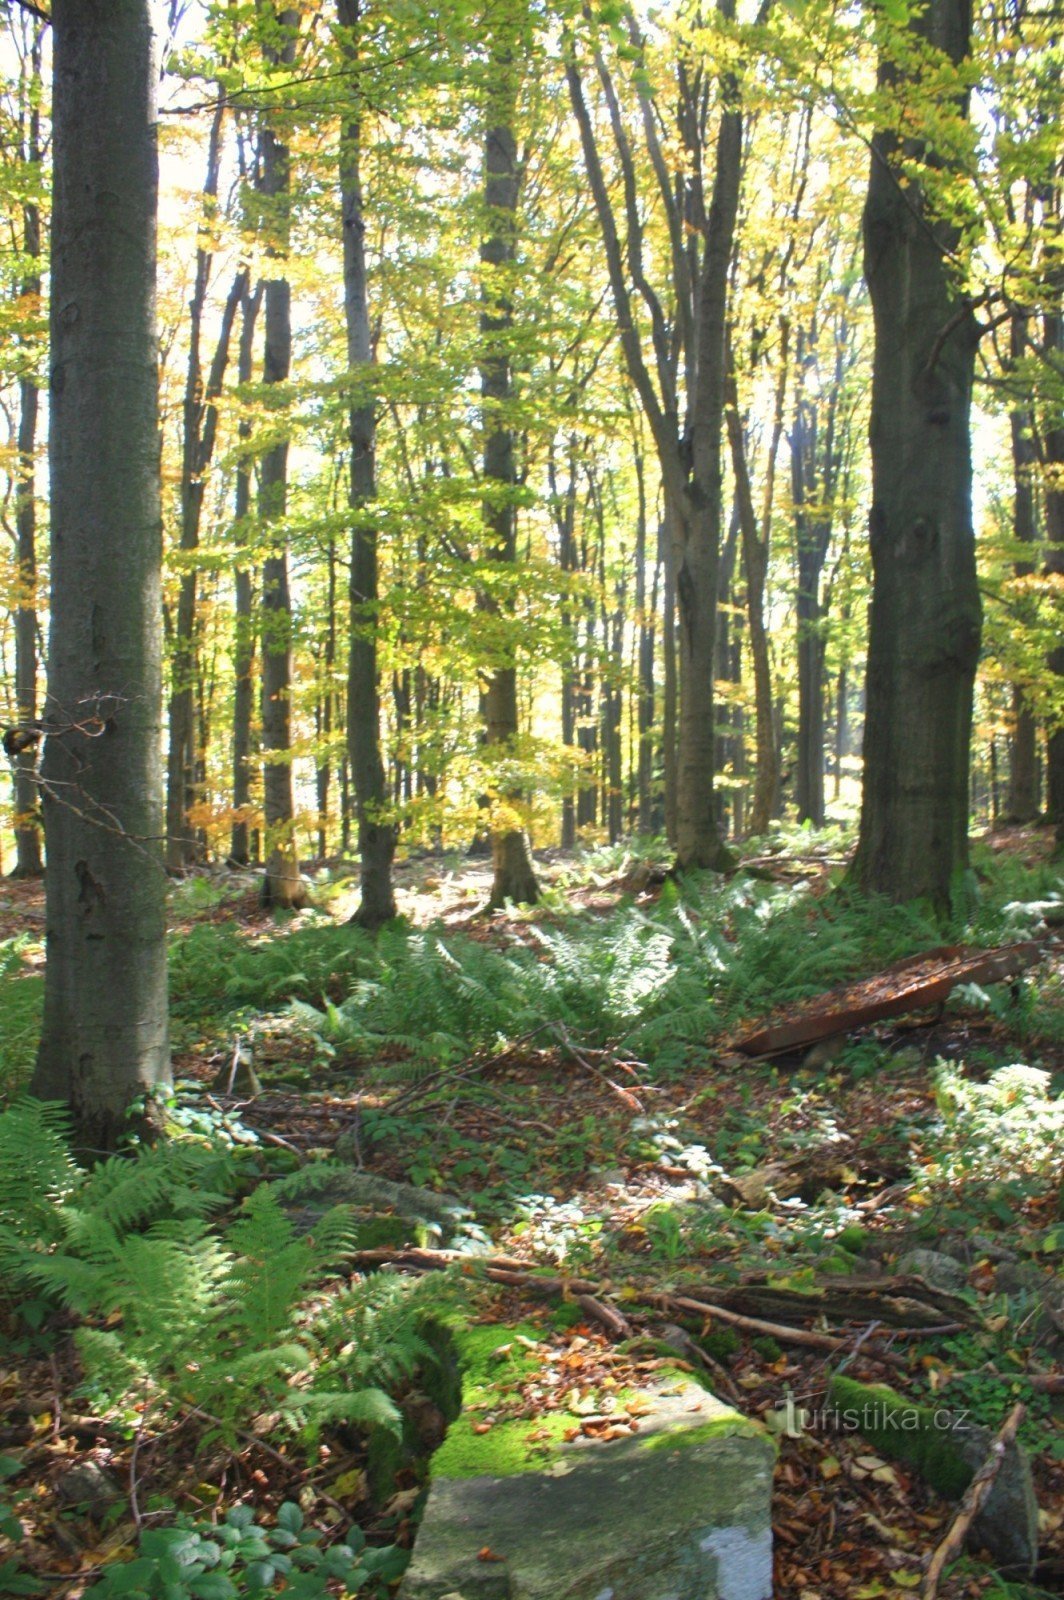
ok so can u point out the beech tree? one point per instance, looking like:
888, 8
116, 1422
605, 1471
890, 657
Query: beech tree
376, 834
513, 875
682, 390
925, 618
282, 885
104, 1036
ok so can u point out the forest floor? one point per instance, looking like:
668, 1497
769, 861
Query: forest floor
570, 1076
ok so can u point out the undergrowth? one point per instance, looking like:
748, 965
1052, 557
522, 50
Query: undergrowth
183, 1303
659, 983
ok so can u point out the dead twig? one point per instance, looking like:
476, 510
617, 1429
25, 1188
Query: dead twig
975, 1498
630, 1101
601, 1311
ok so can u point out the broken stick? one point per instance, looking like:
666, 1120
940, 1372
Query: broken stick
975, 1497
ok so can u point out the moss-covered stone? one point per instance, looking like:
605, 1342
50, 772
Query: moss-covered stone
902, 1430
947, 1451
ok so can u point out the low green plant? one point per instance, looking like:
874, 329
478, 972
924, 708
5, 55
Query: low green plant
1010, 1128
195, 1560
14, 1579
21, 1001
177, 1310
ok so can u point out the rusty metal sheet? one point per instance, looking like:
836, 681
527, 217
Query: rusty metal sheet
907, 985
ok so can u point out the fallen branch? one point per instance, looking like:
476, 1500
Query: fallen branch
975, 1498
609, 1316
518, 1275
785, 1335
630, 1101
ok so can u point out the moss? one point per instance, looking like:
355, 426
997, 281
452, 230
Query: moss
567, 1316
377, 1233
903, 1431
721, 1344
767, 1348
852, 1239
840, 1264
506, 1449
727, 1426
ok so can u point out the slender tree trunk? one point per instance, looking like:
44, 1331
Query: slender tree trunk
925, 618
325, 708
514, 876
698, 519
564, 509
180, 843
104, 1037
27, 826
1054, 514
728, 669
842, 731
755, 560
243, 620
282, 885
644, 666
1023, 767
670, 690
376, 829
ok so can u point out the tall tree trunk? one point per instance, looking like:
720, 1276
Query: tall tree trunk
180, 843
27, 827
1053, 447
689, 459
376, 830
699, 514
514, 876
925, 620
755, 560
1023, 762
104, 1037
644, 665
325, 708
243, 619
282, 885
670, 689
564, 512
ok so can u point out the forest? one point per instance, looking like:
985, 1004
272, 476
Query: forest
532, 927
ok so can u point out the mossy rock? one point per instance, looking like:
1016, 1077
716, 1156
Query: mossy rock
680, 1506
946, 1450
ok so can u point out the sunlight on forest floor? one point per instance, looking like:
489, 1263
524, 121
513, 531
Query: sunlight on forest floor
567, 1076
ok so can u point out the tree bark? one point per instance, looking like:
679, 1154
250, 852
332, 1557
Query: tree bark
644, 665
689, 458
376, 829
243, 620
199, 432
104, 1037
513, 875
28, 862
755, 559
282, 886
1053, 449
1023, 753
926, 619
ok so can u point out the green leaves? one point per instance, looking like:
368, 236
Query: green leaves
238, 1558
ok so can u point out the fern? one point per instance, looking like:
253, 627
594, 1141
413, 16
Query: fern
177, 1310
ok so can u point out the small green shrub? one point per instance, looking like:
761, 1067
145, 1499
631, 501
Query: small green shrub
176, 1309
238, 1557
21, 1002
1010, 1127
